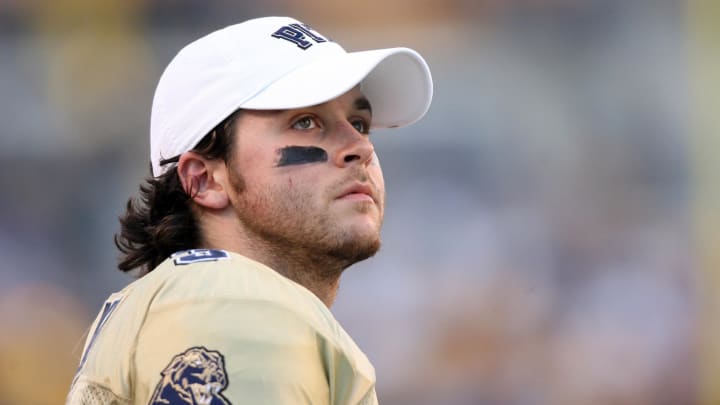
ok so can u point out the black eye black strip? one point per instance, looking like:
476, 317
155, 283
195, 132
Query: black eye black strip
299, 155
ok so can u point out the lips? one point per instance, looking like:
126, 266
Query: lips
358, 192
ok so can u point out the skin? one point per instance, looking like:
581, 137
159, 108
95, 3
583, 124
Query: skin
308, 221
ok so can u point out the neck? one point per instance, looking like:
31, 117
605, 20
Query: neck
324, 286
316, 269
320, 276
318, 273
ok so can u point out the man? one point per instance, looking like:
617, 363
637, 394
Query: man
265, 186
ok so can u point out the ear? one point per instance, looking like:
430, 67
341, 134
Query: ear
202, 180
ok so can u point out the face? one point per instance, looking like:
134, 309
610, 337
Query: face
307, 181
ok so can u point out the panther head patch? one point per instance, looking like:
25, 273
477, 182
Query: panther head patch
194, 377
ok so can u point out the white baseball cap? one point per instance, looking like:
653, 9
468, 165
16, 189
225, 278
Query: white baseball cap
277, 63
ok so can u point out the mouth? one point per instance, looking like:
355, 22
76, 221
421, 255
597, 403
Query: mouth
358, 192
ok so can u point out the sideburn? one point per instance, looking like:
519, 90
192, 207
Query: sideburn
236, 180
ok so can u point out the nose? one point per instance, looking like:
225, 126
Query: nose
356, 147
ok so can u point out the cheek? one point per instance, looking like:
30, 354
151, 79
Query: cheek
376, 175
375, 169
258, 158
254, 165
297, 184
375, 172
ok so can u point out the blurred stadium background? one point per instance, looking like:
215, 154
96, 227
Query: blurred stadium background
550, 229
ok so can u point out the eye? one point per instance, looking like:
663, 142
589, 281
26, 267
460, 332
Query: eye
361, 126
305, 123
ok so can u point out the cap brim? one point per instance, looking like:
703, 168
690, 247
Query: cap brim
396, 81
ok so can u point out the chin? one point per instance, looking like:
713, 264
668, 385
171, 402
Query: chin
357, 249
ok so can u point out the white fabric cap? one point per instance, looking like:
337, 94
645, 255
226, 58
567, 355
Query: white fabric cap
277, 63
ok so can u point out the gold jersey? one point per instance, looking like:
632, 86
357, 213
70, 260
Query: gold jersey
214, 327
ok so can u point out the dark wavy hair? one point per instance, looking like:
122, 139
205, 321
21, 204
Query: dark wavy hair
161, 222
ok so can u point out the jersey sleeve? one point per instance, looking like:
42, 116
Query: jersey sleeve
230, 351
100, 375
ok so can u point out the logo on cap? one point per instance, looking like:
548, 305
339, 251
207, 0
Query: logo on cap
299, 34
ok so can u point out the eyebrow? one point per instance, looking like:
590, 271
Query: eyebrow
362, 103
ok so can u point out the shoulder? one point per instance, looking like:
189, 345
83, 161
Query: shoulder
203, 284
232, 316
262, 335
203, 296
218, 275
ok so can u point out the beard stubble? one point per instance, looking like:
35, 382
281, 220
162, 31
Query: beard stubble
285, 223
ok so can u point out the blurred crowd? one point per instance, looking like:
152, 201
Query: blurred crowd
538, 240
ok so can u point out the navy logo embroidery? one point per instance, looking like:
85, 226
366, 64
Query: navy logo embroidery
299, 35
196, 376
199, 255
